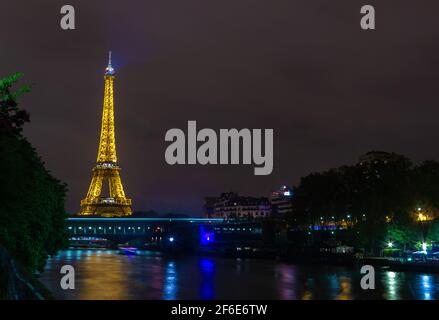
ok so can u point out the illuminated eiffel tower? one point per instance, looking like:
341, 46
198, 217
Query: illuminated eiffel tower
106, 171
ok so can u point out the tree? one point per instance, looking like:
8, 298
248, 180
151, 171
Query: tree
433, 232
11, 117
32, 215
371, 194
405, 234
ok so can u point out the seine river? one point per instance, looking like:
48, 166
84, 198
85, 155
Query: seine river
105, 274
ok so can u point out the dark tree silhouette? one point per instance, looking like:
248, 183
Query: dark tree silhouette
32, 215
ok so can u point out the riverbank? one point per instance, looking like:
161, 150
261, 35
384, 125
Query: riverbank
18, 284
401, 265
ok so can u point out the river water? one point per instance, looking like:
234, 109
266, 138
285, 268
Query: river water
105, 274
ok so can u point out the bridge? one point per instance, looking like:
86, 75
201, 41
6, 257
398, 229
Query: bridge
149, 231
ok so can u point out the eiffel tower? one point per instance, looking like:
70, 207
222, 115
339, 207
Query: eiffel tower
106, 172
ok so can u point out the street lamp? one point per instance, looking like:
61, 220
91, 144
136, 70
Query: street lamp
424, 247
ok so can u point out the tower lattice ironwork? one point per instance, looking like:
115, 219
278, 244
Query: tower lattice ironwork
107, 171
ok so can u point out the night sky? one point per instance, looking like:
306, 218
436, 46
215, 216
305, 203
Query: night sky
330, 90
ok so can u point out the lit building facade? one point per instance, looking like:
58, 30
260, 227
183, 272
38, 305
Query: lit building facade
281, 202
232, 206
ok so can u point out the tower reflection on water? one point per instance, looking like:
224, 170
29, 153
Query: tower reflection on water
105, 274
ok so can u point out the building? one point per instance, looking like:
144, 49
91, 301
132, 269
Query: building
209, 206
281, 202
233, 206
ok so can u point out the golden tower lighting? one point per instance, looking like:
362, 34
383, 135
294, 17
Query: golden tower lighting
106, 171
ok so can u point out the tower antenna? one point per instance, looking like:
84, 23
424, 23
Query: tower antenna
109, 70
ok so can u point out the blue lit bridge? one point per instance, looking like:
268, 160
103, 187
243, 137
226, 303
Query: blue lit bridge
149, 231
159, 232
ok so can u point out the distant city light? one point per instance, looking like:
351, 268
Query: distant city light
422, 217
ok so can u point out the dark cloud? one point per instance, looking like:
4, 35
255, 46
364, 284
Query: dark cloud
304, 68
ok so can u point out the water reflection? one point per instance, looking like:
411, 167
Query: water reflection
391, 285
170, 283
427, 284
286, 281
207, 269
105, 274
345, 288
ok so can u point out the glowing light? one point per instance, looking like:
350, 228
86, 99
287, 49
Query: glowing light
424, 247
109, 70
423, 217
171, 239
106, 168
390, 244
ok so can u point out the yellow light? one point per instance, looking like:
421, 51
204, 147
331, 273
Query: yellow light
106, 170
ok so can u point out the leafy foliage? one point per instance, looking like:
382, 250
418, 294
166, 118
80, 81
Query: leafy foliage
32, 211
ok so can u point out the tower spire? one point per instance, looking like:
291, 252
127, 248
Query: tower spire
109, 70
